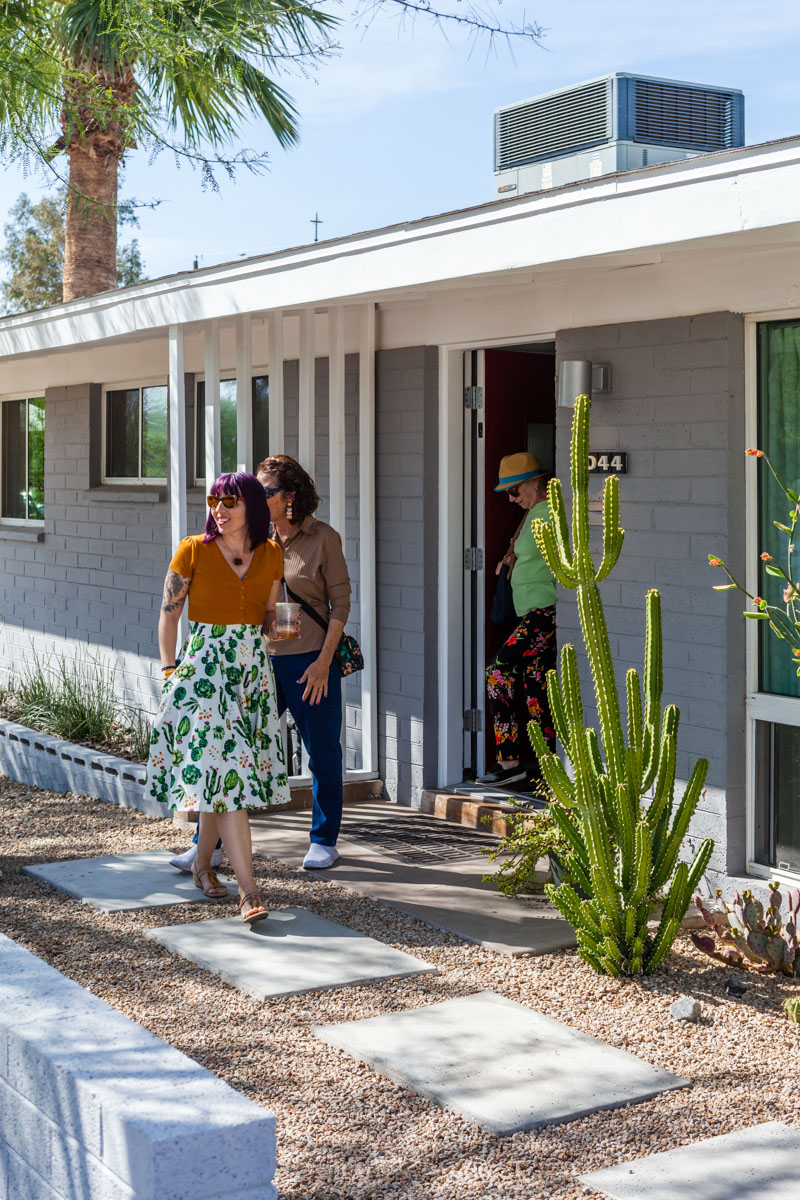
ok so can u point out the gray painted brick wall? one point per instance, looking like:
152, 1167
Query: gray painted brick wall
677, 406
407, 533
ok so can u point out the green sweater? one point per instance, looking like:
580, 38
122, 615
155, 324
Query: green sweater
532, 582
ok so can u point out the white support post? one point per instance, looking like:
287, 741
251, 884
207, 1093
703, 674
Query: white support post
366, 538
307, 403
336, 434
277, 435
244, 388
177, 445
213, 446
451, 565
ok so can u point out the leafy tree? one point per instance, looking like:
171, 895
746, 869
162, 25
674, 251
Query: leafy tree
115, 75
34, 252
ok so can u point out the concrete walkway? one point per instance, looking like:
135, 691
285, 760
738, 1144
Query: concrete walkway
449, 894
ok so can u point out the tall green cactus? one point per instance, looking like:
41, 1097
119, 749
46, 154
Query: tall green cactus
624, 850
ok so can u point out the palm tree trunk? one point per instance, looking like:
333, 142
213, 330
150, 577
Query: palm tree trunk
90, 250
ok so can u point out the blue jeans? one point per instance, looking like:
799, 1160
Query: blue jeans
320, 727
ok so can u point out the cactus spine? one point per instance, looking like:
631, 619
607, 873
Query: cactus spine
626, 848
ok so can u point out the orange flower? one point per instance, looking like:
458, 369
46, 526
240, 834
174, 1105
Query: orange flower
766, 557
757, 601
755, 453
714, 562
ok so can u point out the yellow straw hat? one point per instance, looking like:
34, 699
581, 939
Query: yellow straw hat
516, 468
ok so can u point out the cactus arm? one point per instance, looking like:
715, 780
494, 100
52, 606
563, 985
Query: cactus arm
613, 535
548, 546
653, 657
595, 630
555, 698
699, 863
662, 866
558, 519
551, 767
643, 863
635, 717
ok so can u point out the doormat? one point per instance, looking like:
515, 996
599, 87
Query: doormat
415, 840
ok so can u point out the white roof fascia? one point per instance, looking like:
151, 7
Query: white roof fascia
692, 200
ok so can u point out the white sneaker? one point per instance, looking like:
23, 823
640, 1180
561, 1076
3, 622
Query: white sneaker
184, 862
319, 857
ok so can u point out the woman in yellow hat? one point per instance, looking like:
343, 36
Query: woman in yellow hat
519, 669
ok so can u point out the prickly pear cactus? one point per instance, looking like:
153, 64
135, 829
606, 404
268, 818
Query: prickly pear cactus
755, 938
625, 843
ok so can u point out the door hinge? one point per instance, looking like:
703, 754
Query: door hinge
472, 720
473, 397
473, 559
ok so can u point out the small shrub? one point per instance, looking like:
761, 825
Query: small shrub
792, 1009
532, 835
71, 699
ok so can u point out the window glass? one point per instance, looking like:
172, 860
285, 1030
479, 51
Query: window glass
122, 434
779, 437
778, 815
260, 419
13, 464
154, 432
36, 459
227, 421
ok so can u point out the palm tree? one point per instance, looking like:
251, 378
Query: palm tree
116, 74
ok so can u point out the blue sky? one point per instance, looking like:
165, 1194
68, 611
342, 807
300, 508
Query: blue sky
400, 124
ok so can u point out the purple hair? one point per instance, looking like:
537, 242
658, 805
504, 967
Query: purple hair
239, 483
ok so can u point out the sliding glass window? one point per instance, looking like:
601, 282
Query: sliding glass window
22, 459
227, 420
777, 815
136, 434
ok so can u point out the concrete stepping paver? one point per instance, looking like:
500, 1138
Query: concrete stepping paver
760, 1163
124, 882
293, 951
498, 1063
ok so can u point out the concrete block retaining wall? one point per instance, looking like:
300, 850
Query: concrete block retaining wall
93, 1107
50, 763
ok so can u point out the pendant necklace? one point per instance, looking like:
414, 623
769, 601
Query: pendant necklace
237, 562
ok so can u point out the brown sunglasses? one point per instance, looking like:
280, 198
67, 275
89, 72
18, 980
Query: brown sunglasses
225, 501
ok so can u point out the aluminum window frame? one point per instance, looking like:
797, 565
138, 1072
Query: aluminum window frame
14, 398
130, 480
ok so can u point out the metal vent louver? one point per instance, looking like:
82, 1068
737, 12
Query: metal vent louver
553, 125
676, 115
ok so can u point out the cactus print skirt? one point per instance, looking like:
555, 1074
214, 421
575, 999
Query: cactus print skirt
216, 744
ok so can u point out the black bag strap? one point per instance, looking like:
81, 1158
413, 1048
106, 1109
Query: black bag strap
311, 612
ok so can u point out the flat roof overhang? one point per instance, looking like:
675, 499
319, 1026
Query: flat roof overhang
744, 198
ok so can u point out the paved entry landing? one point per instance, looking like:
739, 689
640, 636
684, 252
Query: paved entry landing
761, 1163
498, 1063
294, 951
124, 882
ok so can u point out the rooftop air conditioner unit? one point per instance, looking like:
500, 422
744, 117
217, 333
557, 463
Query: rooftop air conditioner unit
616, 123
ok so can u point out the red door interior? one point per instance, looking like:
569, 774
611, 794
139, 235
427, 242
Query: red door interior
519, 391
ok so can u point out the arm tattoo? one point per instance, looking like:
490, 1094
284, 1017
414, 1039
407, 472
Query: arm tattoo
175, 590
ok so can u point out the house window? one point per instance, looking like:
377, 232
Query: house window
227, 421
136, 434
777, 741
22, 459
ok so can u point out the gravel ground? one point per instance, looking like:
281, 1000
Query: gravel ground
345, 1133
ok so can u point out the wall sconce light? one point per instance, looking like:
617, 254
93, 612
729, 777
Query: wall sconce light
577, 376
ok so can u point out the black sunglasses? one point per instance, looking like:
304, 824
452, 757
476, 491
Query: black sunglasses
269, 492
512, 492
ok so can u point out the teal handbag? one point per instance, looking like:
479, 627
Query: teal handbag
347, 655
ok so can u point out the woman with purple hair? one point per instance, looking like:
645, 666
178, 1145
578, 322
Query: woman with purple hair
216, 748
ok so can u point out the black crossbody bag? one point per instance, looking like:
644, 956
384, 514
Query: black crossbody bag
347, 655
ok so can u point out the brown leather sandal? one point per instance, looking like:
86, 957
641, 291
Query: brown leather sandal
256, 911
209, 884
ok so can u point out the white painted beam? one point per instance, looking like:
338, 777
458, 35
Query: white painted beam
177, 445
451, 572
244, 387
277, 434
367, 591
213, 446
307, 388
336, 430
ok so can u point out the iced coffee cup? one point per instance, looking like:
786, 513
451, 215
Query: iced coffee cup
287, 614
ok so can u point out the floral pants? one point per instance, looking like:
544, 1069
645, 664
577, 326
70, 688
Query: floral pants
517, 675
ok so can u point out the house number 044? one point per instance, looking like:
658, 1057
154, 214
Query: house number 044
608, 462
